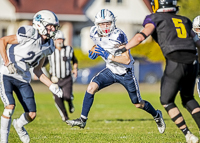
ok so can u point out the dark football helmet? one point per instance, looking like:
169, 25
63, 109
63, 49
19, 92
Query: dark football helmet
164, 5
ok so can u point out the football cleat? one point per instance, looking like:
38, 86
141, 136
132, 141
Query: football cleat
76, 122
160, 122
23, 135
190, 138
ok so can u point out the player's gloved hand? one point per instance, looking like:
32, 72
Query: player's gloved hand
56, 90
11, 68
54, 79
102, 52
92, 55
120, 51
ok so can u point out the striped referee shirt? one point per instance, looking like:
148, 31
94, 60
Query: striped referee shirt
60, 62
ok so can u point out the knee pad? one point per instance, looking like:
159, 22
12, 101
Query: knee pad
8, 112
169, 106
191, 105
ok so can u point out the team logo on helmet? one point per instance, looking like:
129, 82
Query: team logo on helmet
38, 17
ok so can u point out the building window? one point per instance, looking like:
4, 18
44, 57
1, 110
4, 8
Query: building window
107, 1
4, 32
77, 38
119, 1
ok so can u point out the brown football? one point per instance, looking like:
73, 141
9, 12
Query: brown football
93, 49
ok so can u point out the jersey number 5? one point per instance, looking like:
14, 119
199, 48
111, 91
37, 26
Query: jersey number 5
180, 28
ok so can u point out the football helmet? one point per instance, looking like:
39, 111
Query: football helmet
43, 18
102, 16
196, 25
164, 5
59, 35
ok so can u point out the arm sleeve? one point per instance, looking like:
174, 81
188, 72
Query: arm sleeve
149, 19
46, 61
74, 59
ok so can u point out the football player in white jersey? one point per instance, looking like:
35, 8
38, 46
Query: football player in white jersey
29, 47
119, 69
196, 29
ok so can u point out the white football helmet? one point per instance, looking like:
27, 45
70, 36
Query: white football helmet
196, 25
59, 35
43, 18
102, 16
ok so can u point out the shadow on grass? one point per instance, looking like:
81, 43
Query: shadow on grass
126, 120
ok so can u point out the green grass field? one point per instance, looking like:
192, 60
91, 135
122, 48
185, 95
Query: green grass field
112, 119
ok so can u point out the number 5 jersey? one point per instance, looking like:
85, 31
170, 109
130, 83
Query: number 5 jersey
172, 33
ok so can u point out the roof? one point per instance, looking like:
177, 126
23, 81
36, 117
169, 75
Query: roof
130, 11
57, 6
64, 9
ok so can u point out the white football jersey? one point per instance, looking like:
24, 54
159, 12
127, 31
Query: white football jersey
27, 53
110, 43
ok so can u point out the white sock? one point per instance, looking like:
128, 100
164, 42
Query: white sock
21, 121
5, 128
82, 116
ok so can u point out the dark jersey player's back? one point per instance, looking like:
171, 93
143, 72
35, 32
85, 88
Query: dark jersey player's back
171, 31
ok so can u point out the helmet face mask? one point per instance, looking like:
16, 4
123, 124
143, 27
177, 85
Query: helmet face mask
105, 27
164, 5
104, 17
44, 18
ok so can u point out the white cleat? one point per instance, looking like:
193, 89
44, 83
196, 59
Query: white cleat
23, 135
190, 138
77, 122
160, 122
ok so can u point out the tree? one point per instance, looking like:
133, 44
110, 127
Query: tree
149, 48
189, 8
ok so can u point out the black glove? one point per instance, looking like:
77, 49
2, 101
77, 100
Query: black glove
120, 51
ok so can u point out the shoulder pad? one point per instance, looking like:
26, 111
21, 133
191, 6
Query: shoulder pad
93, 30
26, 31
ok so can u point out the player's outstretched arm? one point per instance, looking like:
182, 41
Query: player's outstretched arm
123, 58
54, 88
141, 36
137, 39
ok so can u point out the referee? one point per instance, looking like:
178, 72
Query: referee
61, 73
